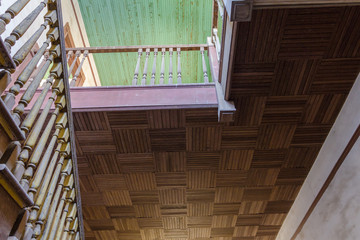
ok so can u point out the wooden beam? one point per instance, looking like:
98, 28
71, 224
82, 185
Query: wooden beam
113, 49
226, 109
70, 117
260, 4
184, 96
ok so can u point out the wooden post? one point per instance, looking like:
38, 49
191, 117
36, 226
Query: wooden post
9, 100
162, 74
170, 65
206, 79
136, 74
69, 55
10, 13
179, 66
143, 80
23, 26
217, 43
153, 73
78, 70
20, 55
77, 55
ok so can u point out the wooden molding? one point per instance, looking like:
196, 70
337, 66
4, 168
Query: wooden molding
226, 109
114, 49
261, 4
65, 75
326, 184
8, 123
239, 11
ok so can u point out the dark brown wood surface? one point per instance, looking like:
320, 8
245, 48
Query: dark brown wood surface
179, 174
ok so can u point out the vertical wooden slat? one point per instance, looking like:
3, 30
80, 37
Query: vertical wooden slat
162, 71
70, 122
170, 65
206, 79
136, 74
153, 73
143, 80
179, 66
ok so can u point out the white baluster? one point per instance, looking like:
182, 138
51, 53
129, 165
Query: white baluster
143, 80
162, 74
170, 66
153, 73
206, 79
179, 67
136, 74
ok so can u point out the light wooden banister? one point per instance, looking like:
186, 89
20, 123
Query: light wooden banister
44, 165
149, 76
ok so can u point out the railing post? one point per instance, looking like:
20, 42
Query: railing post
9, 99
162, 74
170, 65
136, 74
153, 73
143, 80
78, 70
179, 66
216, 41
20, 55
206, 79
22, 27
10, 13
77, 55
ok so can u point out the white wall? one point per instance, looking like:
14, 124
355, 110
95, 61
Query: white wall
339, 208
337, 215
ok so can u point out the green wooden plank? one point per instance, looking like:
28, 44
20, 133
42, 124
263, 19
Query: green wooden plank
146, 22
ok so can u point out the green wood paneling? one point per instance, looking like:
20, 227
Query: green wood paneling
146, 22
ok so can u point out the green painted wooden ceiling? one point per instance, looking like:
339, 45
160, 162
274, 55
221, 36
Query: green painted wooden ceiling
146, 22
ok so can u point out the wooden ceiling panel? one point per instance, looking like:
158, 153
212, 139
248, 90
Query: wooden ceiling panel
170, 161
178, 174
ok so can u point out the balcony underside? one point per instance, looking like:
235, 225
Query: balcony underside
142, 98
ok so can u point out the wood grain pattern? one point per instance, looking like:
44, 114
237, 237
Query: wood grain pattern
179, 174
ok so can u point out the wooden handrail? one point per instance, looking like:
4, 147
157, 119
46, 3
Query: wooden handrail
41, 171
114, 49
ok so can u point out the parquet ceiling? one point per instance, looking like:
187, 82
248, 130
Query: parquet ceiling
179, 174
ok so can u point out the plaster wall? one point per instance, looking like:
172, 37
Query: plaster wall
339, 207
338, 213
70, 9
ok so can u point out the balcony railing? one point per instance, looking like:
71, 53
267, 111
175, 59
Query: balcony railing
39, 182
149, 69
